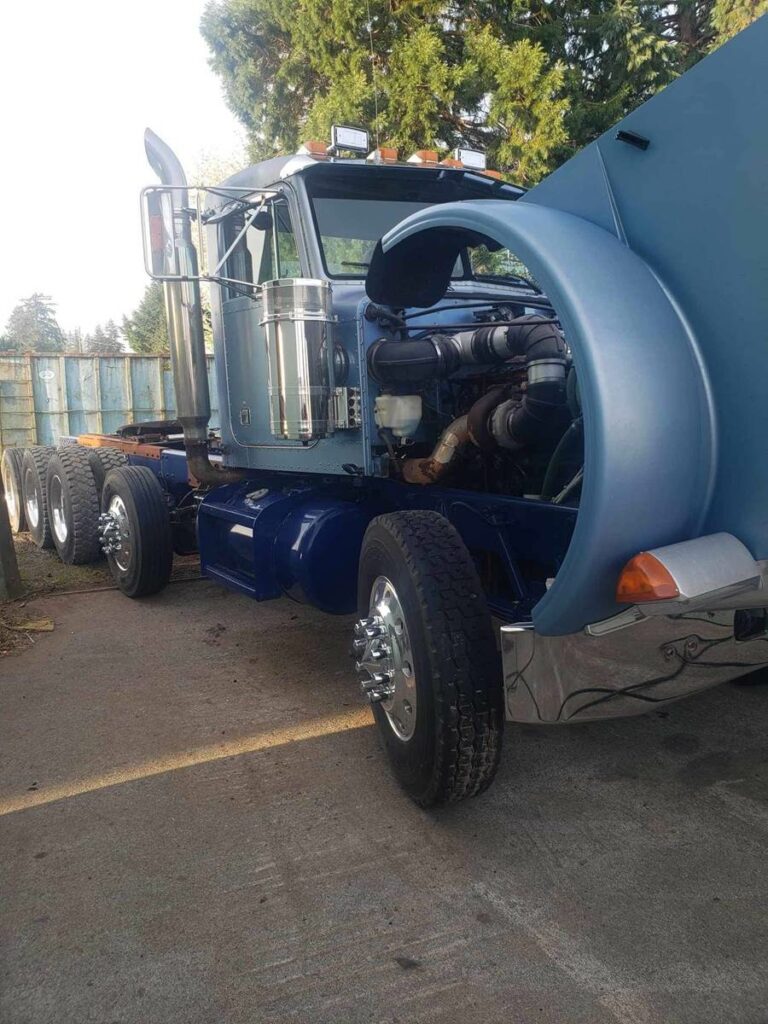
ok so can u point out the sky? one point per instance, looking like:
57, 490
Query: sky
79, 82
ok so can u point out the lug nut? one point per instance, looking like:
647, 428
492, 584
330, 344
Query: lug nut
377, 688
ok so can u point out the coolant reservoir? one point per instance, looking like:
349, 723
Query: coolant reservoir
399, 413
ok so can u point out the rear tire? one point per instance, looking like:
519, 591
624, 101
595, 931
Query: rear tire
34, 467
135, 514
73, 506
101, 461
11, 473
420, 595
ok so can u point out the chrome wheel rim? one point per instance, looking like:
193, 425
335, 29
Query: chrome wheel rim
31, 503
12, 498
115, 533
56, 506
386, 664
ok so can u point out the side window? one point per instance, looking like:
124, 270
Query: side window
261, 254
288, 264
261, 245
239, 264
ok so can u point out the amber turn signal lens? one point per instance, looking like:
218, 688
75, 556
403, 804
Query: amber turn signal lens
645, 578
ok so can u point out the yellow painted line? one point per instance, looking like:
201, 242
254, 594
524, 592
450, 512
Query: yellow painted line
356, 719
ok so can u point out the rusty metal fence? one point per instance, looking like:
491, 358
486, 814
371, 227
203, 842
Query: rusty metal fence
43, 397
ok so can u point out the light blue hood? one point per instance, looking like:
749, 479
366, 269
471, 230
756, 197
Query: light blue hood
656, 260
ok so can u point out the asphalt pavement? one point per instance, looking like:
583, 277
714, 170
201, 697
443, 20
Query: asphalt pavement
197, 824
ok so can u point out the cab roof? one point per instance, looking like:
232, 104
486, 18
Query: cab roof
270, 172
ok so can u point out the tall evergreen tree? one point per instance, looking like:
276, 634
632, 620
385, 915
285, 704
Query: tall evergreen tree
145, 329
75, 341
420, 73
32, 326
105, 340
731, 16
531, 82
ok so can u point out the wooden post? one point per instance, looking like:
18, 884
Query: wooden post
10, 581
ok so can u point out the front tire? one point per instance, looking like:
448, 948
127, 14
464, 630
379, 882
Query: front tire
428, 661
34, 467
136, 531
11, 473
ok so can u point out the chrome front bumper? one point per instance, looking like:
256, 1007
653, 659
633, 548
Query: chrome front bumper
582, 677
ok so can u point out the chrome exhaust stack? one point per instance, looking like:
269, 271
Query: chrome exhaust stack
185, 319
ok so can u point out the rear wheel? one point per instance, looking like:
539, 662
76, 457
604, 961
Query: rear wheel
427, 658
73, 506
11, 473
136, 531
102, 460
34, 467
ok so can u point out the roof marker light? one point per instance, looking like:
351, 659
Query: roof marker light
428, 157
312, 147
383, 155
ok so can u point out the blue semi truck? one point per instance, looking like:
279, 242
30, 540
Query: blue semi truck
520, 435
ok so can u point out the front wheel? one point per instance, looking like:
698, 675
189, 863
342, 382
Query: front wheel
135, 530
427, 659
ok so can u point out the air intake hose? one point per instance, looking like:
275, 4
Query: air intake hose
440, 355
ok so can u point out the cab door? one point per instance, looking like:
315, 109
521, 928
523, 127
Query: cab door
257, 254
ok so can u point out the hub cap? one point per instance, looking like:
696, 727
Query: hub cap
56, 505
115, 533
385, 662
31, 505
12, 499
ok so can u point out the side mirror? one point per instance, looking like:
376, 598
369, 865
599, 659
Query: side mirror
166, 233
158, 230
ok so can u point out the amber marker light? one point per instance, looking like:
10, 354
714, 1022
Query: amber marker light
645, 578
313, 147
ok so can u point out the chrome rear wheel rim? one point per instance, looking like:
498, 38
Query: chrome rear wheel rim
12, 499
58, 512
31, 504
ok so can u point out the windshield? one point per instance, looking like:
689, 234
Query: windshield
353, 211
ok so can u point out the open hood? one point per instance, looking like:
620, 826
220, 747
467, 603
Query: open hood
652, 245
